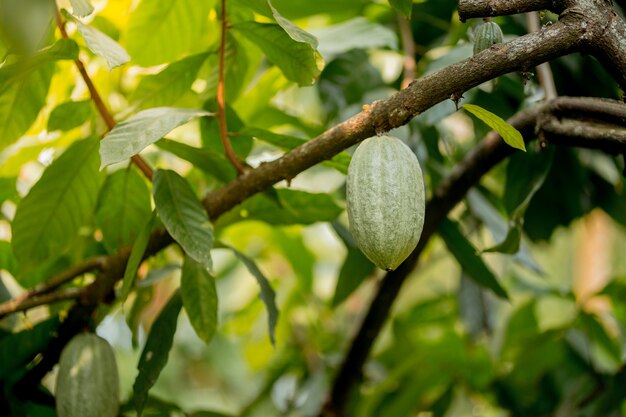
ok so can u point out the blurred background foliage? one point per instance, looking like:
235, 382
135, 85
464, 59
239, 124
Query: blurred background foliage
451, 348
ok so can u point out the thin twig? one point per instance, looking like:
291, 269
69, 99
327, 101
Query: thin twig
97, 99
23, 304
22, 301
544, 73
221, 96
408, 45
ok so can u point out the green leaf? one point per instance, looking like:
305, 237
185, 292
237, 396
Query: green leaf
68, 115
210, 132
212, 163
143, 298
144, 128
298, 207
526, 173
357, 33
81, 8
183, 215
47, 220
465, 254
199, 294
168, 86
356, 267
123, 207
299, 61
20, 103
8, 190
100, 44
155, 354
510, 135
25, 24
340, 162
7, 259
161, 31
292, 30
403, 6
267, 293
19, 349
63, 49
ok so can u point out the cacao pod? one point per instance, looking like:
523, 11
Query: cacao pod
87, 382
486, 35
386, 201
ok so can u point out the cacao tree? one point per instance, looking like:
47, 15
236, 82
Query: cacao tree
173, 178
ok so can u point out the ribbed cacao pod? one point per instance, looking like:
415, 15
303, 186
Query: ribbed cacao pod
486, 35
386, 202
87, 382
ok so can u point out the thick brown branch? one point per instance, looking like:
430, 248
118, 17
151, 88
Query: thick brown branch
466, 174
609, 138
609, 46
520, 54
483, 8
97, 99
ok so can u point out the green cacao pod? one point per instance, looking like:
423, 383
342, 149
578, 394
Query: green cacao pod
486, 35
386, 202
87, 381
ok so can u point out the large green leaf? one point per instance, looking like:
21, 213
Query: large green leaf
199, 294
510, 135
297, 207
17, 350
340, 162
7, 259
168, 86
62, 49
136, 256
155, 354
299, 61
466, 255
24, 24
146, 127
48, 218
162, 30
403, 6
183, 215
20, 102
123, 207
267, 293
69, 115
100, 43
356, 267
357, 33
213, 163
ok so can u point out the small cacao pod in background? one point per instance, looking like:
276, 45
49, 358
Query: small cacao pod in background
87, 382
386, 200
486, 35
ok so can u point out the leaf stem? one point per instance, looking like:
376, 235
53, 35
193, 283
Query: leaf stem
97, 99
221, 96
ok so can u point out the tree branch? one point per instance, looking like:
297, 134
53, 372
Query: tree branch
518, 55
544, 73
469, 9
36, 300
97, 99
466, 174
24, 300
